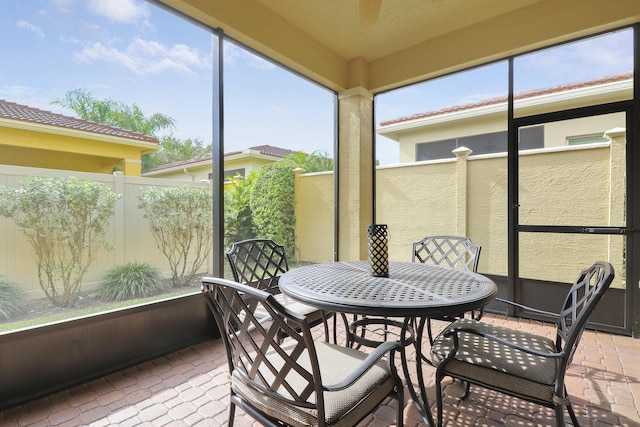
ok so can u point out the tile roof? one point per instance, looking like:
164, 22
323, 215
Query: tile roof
267, 150
523, 95
13, 111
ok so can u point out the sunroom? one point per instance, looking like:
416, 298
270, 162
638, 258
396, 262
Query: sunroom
541, 211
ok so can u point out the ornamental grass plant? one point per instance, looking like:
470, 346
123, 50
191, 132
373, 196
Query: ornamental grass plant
131, 280
12, 299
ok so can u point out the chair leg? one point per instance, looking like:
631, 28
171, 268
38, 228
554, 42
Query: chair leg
439, 398
572, 414
232, 413
400, 411
560, 416
467, 390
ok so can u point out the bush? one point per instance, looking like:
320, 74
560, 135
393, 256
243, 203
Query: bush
65, 220
131, 280
181, 221
273, 205
238, 223
12, 299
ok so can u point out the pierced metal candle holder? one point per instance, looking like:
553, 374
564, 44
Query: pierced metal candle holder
378, 238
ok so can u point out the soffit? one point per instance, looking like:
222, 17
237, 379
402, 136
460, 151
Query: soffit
409, 40
400, 24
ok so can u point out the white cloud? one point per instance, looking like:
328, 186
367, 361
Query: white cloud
30, 27
63, 6
99, 52
87, 29
124, 11
146, 57
585, 59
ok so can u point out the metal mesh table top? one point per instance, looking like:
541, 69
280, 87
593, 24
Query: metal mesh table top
412, 289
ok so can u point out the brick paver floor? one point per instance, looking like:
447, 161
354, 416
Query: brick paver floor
190, 388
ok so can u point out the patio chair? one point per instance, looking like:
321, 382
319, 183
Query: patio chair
519, 363
296, 381
450, 251
260, 263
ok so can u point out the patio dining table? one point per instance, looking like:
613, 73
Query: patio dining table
412, 291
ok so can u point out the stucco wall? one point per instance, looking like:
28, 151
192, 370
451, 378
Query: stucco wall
568, 186
314, 216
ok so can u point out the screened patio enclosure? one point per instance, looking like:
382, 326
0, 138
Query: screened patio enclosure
360, 50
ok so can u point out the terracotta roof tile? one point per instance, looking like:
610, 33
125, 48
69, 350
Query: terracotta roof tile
268, 150
13, 111
522, 95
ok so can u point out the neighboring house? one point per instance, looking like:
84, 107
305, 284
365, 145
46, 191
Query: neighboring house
42, 139
236, 163
481, 126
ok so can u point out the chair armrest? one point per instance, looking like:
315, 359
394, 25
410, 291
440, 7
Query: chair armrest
454, 332
525, 307
377, 354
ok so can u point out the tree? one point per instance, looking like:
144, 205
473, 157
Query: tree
173, 149
272, 197
65, 221
181, 221
273, 205
113, 113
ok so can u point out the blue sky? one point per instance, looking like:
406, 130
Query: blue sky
134, 52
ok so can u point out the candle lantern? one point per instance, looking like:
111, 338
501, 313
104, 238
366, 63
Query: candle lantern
378, 239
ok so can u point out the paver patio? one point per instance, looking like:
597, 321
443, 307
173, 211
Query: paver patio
190, 388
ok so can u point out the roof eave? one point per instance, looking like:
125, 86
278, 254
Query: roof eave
145, 146
392, 130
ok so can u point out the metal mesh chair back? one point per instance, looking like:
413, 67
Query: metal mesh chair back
277, 369
451, 251
258, 262
519, 363
256, 351
582, 298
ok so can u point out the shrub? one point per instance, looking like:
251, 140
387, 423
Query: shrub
238, 223
273, 205
131, 280
181, 221
12, 299
65, 221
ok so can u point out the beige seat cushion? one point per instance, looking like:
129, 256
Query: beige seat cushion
344, 407
479, 351
295, 305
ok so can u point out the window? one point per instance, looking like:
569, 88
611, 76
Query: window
585, 139
494, 142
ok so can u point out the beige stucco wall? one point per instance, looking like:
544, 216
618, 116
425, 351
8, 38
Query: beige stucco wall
558, 186
315, 216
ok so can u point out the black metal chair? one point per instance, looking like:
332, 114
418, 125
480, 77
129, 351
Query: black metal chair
519, 363
450, 251
296, 381
260, 263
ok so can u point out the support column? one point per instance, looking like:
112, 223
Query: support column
355, 172
617, 195
131, 167
462, 154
